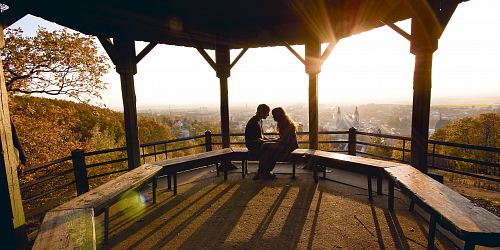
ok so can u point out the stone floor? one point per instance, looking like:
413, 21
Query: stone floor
210, 213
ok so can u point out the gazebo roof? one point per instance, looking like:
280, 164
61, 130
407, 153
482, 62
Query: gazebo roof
244, 23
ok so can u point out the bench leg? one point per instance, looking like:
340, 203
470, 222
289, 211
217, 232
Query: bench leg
469, 245
324, 172
225, 165
169, 179
293, 169
391, 194
217, 167
106, 224
155, 188
315, 174
379, 185
412, 206
432, 233
243, 169
370, 195
175, 183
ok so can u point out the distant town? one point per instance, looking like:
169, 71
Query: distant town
373, 118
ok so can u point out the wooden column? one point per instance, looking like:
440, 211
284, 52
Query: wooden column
126, 67
425, 33
223, 65
12, 221
313, 68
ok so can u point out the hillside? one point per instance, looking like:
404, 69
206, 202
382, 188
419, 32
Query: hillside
50, 129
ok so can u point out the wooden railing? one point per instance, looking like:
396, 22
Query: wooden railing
76, 163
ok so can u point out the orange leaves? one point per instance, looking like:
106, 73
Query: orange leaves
57, 62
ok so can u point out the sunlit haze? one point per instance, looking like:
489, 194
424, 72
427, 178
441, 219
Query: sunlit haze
372, 67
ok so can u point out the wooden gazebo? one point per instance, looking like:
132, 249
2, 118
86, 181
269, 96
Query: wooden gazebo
222, 26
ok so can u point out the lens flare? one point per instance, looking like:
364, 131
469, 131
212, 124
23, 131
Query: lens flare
133, 204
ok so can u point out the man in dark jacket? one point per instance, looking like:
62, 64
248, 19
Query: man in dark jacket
254, 135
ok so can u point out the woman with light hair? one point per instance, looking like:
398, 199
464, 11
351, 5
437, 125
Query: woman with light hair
273, 150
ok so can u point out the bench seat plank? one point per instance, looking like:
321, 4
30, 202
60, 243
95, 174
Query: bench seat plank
351, 163
182, 163
67, 229
452, 210
110, 192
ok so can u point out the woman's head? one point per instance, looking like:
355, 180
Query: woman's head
282, 119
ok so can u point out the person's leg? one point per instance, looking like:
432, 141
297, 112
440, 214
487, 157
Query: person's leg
266, 158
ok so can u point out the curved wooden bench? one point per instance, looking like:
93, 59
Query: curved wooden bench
71, 225
454, 212
172, 166
366, 166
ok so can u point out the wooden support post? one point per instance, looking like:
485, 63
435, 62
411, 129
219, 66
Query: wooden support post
425, 33
80, 171
421, 111
222, 61
223, 67
126, 67
12, 219
313, 68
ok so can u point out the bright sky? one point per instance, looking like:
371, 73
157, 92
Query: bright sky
373, 67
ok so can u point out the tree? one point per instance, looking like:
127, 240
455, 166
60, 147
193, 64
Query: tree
53, 63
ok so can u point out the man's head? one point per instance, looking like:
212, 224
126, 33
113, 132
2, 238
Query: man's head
262, 111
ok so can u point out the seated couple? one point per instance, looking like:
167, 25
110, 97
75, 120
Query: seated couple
270, 150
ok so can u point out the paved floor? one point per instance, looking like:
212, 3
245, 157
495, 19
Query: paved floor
210, 213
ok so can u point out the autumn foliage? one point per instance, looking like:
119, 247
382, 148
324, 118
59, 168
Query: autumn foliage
53, 63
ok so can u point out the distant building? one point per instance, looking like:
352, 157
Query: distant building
441, 122
356, 118
342, 123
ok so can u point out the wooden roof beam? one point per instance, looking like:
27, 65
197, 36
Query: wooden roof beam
295, 53
203, 53
145, 51
110, 49
238, 57
397, 29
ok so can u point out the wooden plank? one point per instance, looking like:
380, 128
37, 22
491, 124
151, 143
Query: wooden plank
351, 163
110, 192
67, 229
189, 161
452, 210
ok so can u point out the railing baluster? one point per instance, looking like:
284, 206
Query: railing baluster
80, 171
404, 141
154, 151
352, 141
433, 153
208, 140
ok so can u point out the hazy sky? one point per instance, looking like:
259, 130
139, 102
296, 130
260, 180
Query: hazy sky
374, 66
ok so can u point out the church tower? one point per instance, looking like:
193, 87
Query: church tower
337, 116
355, 118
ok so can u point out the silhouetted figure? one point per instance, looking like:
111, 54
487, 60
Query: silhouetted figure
271, 151
254, 134
17, 144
